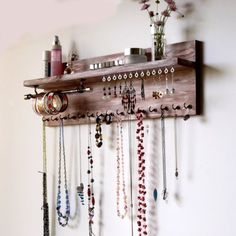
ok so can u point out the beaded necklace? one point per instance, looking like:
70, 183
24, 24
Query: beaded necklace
62, 218
142, 222
45, 200
90, 191
120, 172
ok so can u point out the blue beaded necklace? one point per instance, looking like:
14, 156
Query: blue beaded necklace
62, 218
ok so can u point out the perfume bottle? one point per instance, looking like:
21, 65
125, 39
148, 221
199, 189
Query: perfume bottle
56, 58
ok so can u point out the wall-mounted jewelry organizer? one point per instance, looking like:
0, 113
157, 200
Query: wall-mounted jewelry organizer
179, 71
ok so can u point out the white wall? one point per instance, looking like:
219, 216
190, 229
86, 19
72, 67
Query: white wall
207, 182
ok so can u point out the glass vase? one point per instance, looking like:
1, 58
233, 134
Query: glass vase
158, 44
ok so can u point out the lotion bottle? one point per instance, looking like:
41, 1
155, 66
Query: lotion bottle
56, 58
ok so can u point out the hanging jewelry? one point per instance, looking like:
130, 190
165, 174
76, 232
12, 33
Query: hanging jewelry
45, 200
142, 90
176, 141
90, 191
142, 206
62, 218
80, 188
120, 172
120, 91
158, 93
172, 70
165, 193
132, 99
167, 91
109, 92
115, 93
104, 97
98, 135
131, 176
125, 97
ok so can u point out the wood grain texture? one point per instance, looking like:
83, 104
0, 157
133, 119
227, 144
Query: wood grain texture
182, 56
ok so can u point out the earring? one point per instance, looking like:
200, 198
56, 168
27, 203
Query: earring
158, 94
142, 90
167, 91
172, 70
115, 94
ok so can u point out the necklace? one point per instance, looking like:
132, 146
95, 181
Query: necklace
120, 172
80, 188
62, 218
165, 193
98, 135
142, 222
90, 191
45, 200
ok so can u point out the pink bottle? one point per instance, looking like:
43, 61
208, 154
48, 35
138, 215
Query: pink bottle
56, 58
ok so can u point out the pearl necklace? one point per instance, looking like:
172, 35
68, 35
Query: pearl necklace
120, 172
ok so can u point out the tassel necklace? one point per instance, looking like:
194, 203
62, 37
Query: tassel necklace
120, 172
62, 218
45, 200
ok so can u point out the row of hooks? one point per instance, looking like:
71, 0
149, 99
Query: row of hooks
107, 116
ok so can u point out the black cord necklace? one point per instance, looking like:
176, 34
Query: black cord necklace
45, 200
62, 218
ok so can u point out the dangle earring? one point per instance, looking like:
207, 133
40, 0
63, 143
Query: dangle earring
142, 206
142, 90
172, 70
165, 193
98, 135
115, 93
104, 97
125, 97
80, 188
158, 93
90, 190
132, 99
120, 91
167, 91
120, 172
62, 218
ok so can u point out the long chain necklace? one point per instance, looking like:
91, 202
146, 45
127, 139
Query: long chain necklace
165, 193
45, 200
80, 188
142, 221
62, 218
120, 172
90, 192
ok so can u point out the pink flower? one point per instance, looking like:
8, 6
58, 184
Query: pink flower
145, 6
151, 13
143, 1
173, 7
170, 1
166, 13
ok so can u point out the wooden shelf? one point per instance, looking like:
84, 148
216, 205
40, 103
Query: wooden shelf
182, 56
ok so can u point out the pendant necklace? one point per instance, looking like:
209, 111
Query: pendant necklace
80, 188
90, 191
142, 206
62, 218
45, 200
165, 193
120, 172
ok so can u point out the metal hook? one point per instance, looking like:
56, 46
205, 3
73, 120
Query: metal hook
73, 117
35, 90
119, 113
176, 108
164, 108
45, 119
152, 110
90, 115
56, 119
141, 111
188, 106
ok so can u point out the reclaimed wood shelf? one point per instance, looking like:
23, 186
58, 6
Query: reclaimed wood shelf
182, 56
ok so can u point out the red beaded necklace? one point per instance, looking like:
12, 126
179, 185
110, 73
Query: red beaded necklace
141, 221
